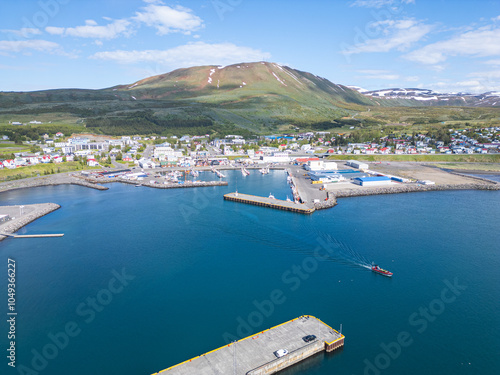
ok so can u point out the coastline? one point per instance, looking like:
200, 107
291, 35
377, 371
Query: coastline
36, 211
59, 179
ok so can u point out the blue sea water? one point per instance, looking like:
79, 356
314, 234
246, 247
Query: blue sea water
146, 278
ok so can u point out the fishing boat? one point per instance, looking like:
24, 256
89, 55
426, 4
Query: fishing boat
271, 196
381, 271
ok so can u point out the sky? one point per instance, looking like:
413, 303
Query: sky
443, 45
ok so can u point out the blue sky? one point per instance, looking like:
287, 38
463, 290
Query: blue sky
445, 45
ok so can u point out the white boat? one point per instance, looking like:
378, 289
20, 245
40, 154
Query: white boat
288, 199
219, 173
244, 172
271, 196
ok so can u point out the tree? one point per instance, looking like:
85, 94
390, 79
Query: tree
119, 156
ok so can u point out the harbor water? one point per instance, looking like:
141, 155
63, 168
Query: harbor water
146, 278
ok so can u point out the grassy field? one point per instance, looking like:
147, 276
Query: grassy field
40, 170
479, 158
486, 167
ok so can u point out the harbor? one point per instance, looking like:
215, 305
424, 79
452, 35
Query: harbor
269, 202
262, 353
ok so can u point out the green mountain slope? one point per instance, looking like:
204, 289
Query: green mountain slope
254, 97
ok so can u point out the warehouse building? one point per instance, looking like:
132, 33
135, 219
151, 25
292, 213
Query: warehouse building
372, 181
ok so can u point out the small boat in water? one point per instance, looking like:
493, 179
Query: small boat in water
271, 196
381, 271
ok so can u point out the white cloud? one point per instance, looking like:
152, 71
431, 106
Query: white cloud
398, 34
379, 3
25, 32
497, 18
92, 30
192, 54
378, 74
493, 62
478, 43
169, 20
412, 79
7, 47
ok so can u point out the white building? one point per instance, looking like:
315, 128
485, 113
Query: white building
321, 165
357, 164
276, 157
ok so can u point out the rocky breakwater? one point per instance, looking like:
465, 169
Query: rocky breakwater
329, 202
54, 180
412, 188
18, 220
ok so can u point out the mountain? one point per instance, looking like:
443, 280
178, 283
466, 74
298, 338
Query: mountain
256, 96
425, 97
252, 97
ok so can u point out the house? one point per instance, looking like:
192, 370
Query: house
45, 159
92, 163
9, 164
58, 159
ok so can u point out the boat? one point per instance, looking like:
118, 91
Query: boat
381, 271
244, 172
271, 196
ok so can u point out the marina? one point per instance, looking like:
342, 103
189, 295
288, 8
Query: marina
265, 352
269, 202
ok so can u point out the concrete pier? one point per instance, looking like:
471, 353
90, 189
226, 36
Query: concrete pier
254, 355
32, 235
269, 202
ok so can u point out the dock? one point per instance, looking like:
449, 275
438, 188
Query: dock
255, 355
269, 202
32, 235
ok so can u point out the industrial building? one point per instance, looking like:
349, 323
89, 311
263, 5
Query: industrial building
357, 164
372, 181
320, 165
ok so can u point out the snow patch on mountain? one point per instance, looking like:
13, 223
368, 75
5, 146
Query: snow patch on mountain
279, 80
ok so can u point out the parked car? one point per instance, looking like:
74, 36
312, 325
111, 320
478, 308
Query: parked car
280, 353
309, 338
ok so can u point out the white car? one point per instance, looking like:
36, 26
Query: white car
280, 353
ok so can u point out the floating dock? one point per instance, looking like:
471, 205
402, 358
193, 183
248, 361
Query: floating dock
269, 202
254, 355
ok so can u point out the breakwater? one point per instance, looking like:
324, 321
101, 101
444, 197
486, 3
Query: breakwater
49, 181
35, 211
186, 184
413, 188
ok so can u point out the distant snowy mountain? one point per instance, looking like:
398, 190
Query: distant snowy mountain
430, 97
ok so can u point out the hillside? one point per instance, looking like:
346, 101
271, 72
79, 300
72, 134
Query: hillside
256, 96
247, 97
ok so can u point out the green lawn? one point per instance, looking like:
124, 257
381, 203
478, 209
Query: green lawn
474, 158
40, 170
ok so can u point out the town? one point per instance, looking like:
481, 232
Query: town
96, 151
